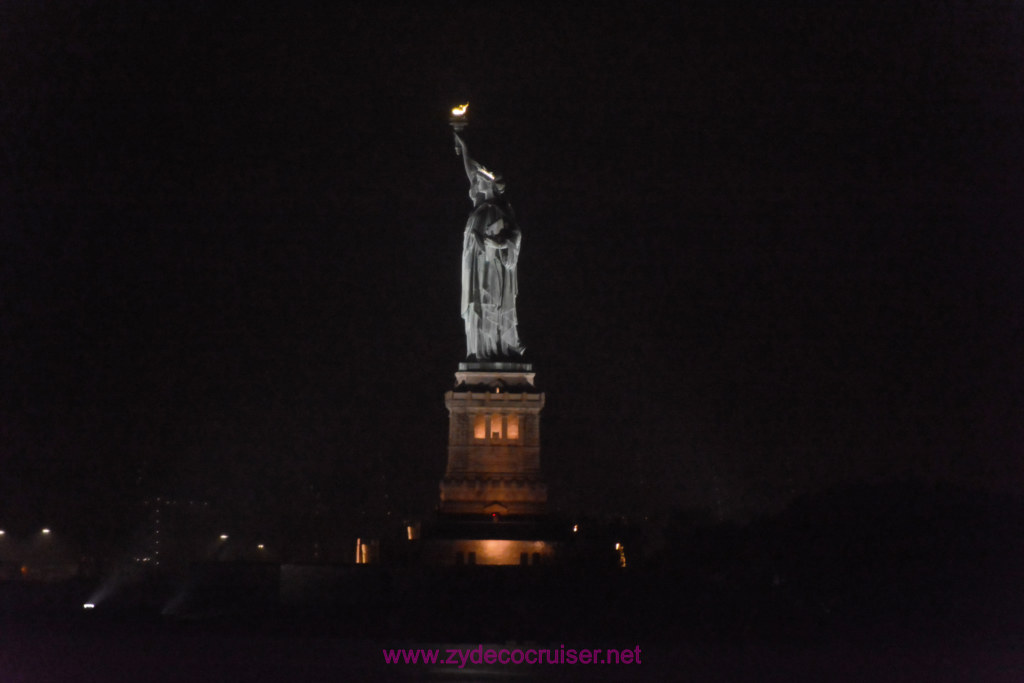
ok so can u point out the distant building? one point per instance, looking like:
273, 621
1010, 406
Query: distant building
177, 532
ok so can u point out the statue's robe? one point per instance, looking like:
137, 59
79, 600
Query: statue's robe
490, 252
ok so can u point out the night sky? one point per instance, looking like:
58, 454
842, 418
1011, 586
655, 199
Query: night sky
766, 249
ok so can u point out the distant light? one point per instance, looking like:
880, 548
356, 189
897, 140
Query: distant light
223, 537
618, 546
460, 110
2, 532
259, 547
575, 528
88, 605
46, 531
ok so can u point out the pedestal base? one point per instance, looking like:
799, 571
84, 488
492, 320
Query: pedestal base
494, 441
494, 374
497, 494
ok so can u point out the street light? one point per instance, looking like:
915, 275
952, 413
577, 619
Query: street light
223, 537
46, 531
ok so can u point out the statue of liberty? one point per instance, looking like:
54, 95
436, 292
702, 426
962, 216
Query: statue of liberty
490, 251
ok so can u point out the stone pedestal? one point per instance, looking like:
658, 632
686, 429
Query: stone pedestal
494, 442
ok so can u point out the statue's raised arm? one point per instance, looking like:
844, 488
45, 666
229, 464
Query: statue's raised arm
484, 185
463, 151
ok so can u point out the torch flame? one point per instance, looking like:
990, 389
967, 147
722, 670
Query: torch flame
460, 110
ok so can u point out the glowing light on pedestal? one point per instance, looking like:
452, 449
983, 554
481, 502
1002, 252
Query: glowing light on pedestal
460, 110
367, 551
622, 554
497, 552
501, 552
513, 426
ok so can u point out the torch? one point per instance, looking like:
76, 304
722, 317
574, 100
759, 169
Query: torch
458, 120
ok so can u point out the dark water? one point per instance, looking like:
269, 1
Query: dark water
159, 653
695, 633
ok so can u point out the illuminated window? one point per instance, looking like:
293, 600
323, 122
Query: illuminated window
513, 426
496, 427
